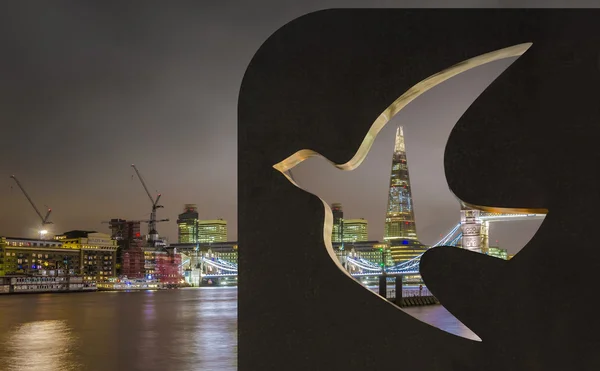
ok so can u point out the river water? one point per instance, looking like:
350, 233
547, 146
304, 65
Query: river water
187, 329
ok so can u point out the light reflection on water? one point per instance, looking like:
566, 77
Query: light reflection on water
189, 329
439, 317
40, 346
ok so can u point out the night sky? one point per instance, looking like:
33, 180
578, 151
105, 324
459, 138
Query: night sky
88, 88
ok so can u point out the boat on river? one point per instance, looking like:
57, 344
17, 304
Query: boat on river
32, 284
130, 284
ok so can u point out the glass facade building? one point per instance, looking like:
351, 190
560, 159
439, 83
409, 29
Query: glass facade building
211, 231
338, 222
355, 230
187, 225
400, 229
403, 250
400, 217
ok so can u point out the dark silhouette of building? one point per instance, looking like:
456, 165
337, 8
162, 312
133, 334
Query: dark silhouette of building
128, 237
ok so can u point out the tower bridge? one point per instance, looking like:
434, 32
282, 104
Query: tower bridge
400, 236
471, 233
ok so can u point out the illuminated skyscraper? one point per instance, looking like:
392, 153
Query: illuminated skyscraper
400, 229
338, 222
211, 231
400, 217
355, 230
187, 224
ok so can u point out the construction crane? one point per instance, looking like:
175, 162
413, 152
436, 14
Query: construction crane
43, 219
152, 233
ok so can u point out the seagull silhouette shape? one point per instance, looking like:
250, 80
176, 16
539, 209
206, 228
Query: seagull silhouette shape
369, 170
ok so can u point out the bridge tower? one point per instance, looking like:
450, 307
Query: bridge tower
471, 227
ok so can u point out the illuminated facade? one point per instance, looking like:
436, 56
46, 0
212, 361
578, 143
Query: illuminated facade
338, 222
375, 252
347, 230
31, 256
89, 254
98, 252
211, 231
162, 264
403, 250
400, 217
168, 267
187, 224
400, 229
355, 230
496, 252
132, 263
227, 251
224, 251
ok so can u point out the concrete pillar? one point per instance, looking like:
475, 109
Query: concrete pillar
399, 287
383, 285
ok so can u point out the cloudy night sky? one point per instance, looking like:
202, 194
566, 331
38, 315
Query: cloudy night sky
88, 88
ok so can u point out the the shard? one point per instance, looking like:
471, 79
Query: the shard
400, 229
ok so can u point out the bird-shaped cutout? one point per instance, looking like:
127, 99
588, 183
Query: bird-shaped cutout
364, 182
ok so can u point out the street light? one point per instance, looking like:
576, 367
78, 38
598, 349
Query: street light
43, 232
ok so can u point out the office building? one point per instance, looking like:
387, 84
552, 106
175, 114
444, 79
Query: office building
355, 230
349, 230
187, 224
375, 252
338, 222
211, 231
403, 250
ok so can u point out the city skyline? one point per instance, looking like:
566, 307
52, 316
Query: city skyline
156, 86
364, 191
89, 88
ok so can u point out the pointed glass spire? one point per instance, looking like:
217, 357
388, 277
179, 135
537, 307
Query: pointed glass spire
400, 217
